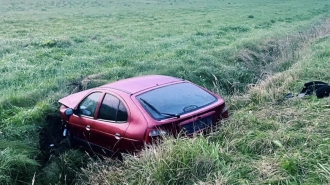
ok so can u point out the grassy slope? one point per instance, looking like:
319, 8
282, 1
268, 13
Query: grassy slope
48, 46
265, 141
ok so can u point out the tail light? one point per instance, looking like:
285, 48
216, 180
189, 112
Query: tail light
224, 113
154, 134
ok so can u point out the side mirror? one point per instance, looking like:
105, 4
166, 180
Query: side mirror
68, 112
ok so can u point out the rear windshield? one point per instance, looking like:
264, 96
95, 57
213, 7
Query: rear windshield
172, 100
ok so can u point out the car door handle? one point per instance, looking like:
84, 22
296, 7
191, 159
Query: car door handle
117, 136
88, 128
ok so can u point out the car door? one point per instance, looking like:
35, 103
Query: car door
80, 123
111, 123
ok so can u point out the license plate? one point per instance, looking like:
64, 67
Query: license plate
197, 125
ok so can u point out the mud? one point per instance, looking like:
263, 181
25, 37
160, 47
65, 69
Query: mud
51, 140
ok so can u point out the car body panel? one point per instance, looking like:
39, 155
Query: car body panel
109, 134
80, 131
137, 84
73, 100
112, 135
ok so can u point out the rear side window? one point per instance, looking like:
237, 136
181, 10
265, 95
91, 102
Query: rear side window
112, 109
88, 105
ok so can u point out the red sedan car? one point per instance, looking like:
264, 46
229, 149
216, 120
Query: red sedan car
125, 115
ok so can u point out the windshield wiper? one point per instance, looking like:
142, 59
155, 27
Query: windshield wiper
161, 113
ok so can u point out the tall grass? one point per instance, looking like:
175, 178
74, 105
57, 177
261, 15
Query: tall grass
176, 161
17, 166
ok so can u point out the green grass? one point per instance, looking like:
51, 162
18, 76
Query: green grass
48, 47
264, 142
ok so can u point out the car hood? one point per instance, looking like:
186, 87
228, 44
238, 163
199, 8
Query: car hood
73, 100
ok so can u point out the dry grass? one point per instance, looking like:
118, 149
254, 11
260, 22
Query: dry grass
269, 169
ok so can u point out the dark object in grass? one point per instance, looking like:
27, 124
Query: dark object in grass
323, 91
289, 95
285, 97
251, 16
320, 88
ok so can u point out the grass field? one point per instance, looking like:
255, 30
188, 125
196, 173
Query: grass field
251, 52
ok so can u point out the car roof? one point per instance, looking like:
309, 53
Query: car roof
137, 84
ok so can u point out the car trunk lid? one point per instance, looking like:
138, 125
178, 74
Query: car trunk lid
189, 124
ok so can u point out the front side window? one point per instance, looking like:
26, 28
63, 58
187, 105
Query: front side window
88, 105
112, 109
